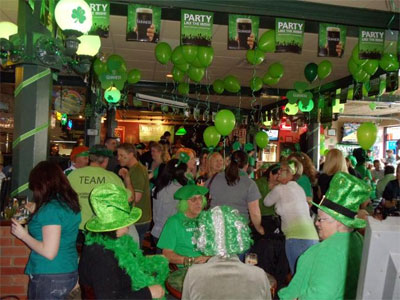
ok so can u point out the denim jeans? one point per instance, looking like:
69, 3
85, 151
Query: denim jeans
51, 286
142, 229
294, 248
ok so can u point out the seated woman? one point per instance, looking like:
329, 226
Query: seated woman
112, 264
329, 270
176, 239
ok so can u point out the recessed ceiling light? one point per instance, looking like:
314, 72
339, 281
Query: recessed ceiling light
169, 75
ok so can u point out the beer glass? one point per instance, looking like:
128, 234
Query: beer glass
243, 31
333, 39
144, 19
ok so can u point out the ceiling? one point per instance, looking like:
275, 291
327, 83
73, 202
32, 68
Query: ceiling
141, 56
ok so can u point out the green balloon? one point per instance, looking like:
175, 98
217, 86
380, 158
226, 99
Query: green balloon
99, 66
389, 62
231, 84
366, 135
218, 86
134, 76
266, 42
177, 56
115, 63
196, 74
205, 56
306, 106
276, 70
254, 57
163, 53
262, 139
177, 74
371, 66
355, 55
211, 136
256, 83
196, 63
324, 69
225, 122
189, 52
183, 88
360, 76
112, 95
183, 67
353, 67
311, 72
269, 80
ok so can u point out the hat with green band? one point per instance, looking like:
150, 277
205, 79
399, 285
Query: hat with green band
79, 151
343, 198
111, 207
100, 150
182, 157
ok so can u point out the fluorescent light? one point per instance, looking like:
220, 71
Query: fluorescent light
158, 100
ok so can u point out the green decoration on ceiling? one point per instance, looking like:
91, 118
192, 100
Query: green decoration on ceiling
306, 105
291, 109
112, 95
115, 78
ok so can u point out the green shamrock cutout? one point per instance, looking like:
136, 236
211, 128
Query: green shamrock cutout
299, 94
115, 78
78, 14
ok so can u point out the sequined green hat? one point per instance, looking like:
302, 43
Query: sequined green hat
111, 207
343, 198
188, 191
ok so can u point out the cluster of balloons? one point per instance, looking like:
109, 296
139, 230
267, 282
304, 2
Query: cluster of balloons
274, 74
366, 135
224, 123
266, 44
363, 69
188, 60
313, 71
230, 83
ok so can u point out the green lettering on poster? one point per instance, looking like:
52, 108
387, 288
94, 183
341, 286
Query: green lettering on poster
196, 27
331, 40
100, 17
371, 43
242, 32
289, 35
143, 23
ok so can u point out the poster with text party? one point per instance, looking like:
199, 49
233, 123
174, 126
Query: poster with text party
100, 17
242, 32
144, 23
289, 35
371, 43
196, 27
331, 40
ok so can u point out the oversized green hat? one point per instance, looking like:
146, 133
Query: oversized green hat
343, 198
112, 209
188, 191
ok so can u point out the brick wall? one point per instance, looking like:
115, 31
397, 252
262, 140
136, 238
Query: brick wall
13, 258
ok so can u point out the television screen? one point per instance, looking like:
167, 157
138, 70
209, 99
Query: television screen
350, 132
273, 134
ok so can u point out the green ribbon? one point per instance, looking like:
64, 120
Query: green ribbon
29, 134
19, 189
31, 80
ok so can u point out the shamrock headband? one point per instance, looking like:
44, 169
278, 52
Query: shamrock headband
212, 149
292, 166
182, 158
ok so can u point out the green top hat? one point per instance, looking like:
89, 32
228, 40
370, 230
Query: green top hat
112, 209
343, 198
188, 191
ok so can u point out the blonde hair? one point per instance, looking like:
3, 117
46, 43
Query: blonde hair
211, 157
298, 166
165, 157
334, 162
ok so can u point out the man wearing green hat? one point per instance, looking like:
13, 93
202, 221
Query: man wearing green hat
329, 270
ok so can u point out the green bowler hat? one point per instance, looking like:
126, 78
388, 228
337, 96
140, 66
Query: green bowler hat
112, 209
188, 191
343, 198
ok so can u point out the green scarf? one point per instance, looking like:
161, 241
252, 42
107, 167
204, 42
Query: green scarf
143, 270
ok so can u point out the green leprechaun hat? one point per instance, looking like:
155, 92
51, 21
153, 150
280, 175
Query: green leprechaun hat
343, 198
112, 209
188, 191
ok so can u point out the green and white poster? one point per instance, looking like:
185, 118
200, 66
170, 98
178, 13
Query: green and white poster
100, 17
391, 41
331, 40
242, 32
371, 43
289, 35
144, 23
196, 27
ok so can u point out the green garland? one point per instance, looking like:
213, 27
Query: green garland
143, 270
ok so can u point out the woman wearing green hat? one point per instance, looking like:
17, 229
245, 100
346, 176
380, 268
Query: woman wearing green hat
329, 270
112, 264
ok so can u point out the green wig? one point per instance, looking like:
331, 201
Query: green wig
183, 204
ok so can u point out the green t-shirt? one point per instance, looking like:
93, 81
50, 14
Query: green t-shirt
84, 180
177, 235
262, 184
141, 184
305, 183
66, 260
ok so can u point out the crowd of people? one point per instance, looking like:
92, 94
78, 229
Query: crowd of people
200, 213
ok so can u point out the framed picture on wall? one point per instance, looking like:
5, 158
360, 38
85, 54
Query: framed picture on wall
332, 132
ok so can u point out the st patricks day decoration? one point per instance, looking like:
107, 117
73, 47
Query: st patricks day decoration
218, 86
274, 74
361, 69
331, 40
114, 74
254, 57
291, 109
163, 53
262, 139
225, 122
371, 42
324, 69
289, 35
112, 95
391, 41
311, 72
211, 136
266, 42
143, 23
366, 135
242, 32
196, 27
100, 17
231, 84
301, 97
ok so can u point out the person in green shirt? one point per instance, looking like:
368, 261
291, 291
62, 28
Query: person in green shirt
329, 270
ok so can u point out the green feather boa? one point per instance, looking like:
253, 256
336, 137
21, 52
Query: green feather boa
143, 270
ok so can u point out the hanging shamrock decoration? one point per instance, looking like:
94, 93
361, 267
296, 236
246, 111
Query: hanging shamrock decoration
301, 97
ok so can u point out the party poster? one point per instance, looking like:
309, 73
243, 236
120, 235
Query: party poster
100, 17
289, 35
371, 43
196, 27
242, 32
144, 23
331, 40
